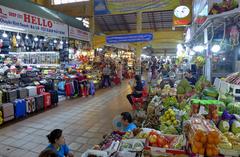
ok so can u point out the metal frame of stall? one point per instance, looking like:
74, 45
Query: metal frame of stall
214, 22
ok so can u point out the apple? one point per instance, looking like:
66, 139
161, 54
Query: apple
153, 139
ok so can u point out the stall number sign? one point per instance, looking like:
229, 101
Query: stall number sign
30, 23
79, 34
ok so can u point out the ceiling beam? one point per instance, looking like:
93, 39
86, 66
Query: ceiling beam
149, 21
115, 21
143, 22
125, 23
105, 24
154, 24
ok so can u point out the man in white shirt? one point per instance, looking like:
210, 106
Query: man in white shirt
106, 76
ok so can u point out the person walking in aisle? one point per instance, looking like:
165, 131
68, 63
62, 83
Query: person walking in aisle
106, 76
119, 71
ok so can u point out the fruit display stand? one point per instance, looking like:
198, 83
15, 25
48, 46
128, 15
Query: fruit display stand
203, 122
161, 144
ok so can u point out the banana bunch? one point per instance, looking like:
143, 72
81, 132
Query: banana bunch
200, 61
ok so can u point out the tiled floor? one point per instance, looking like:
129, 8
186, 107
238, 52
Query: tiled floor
83, 120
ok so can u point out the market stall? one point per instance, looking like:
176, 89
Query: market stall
36, 69
181, 121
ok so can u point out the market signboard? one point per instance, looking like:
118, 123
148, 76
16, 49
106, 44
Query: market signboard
30, 23
129, 38
102, 7
79, 34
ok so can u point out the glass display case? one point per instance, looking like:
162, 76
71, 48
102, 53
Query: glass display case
223, 63
49, 58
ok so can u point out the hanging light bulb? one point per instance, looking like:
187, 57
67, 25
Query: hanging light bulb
216, 48
18, 36
35, 39
61, 42
4, 35
66, 42
198, 48
26, 37
44, 39
54, 41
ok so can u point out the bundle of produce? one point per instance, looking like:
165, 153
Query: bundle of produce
185, 89
169, 122
210, 93
155, 105
234, 108
209, 108
165, 141
183, 105
201, 84
154, 90
234, 141
169, 102
168, 91
199, 61
229, 122
226, 98
151, 121
203, 136
233, 78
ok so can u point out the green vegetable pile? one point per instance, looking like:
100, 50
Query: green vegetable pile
170, 101
184, 87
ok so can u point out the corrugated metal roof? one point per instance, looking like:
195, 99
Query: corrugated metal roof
30, 7
155, 20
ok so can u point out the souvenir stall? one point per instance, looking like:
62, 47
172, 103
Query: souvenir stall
34, 51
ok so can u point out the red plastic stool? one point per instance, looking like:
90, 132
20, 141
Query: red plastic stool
140, 100
116, 80
137, 101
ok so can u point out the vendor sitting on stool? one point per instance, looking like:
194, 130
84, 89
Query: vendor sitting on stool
137, 89
127, 122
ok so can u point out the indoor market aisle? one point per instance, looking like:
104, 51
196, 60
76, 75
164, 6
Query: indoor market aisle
84, 121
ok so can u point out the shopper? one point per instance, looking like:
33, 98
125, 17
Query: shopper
127, 122
119, 70
137, 89
48, 153
190, 78
57, 144
106, 76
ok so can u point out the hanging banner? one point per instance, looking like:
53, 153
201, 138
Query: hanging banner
29, 23
200, 11
129, 38
79, 34
102, 7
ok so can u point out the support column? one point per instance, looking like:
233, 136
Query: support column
92, 24
208, 68
139, 45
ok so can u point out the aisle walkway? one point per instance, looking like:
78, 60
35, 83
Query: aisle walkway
84, 121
